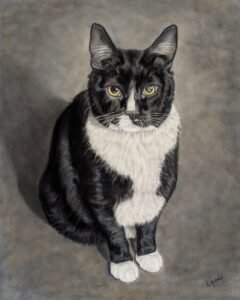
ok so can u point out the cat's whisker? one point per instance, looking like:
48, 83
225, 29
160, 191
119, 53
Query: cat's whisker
141, 122
147, 123
157, 119
107, 118
152, 122
111, 114
158, 115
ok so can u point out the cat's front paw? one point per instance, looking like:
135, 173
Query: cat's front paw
126, 271
151, 262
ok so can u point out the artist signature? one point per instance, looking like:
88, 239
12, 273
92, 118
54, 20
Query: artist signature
214, 280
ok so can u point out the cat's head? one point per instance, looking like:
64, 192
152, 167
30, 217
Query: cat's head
131, 90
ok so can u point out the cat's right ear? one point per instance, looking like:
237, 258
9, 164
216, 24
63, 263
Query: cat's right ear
101, 47
165, 46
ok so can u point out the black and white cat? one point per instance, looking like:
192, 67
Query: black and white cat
113, 159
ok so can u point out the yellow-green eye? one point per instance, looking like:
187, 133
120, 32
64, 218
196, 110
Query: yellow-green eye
150, 90
113, 91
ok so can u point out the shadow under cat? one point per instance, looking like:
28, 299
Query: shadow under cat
30, 112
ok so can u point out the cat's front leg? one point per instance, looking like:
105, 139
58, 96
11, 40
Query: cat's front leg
122, 266
148, 257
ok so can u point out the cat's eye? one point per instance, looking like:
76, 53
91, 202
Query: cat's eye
113, 91
150, 90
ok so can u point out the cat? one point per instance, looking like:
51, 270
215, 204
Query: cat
114, 153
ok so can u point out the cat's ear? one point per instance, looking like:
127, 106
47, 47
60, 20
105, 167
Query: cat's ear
165, 45
101, 46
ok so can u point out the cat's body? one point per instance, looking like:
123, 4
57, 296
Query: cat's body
113, 160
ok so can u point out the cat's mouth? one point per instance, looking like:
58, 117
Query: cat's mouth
124, 118
129, 124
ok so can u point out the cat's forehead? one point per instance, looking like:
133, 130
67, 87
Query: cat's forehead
132, 67
131, 61
132, 56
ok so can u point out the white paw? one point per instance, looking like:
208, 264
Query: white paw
126, 271
151, 262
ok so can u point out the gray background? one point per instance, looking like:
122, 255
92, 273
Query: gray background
44, 63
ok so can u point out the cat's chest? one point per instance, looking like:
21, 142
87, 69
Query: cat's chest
139, 155
135, 154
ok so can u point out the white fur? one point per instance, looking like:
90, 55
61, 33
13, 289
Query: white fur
138, 153
131, 102
126, 271
152, 262
130, 232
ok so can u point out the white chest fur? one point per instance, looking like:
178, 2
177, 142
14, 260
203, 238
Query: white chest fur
139, 155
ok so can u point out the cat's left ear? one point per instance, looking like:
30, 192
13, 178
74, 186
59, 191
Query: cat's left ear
101, 47
165, 45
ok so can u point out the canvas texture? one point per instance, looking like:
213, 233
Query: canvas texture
44, 63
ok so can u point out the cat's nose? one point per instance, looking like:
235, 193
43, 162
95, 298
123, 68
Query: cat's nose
132, 115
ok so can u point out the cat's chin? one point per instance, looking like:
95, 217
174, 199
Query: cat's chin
131, 129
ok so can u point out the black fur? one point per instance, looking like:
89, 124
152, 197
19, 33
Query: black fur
146, 242
78, 191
